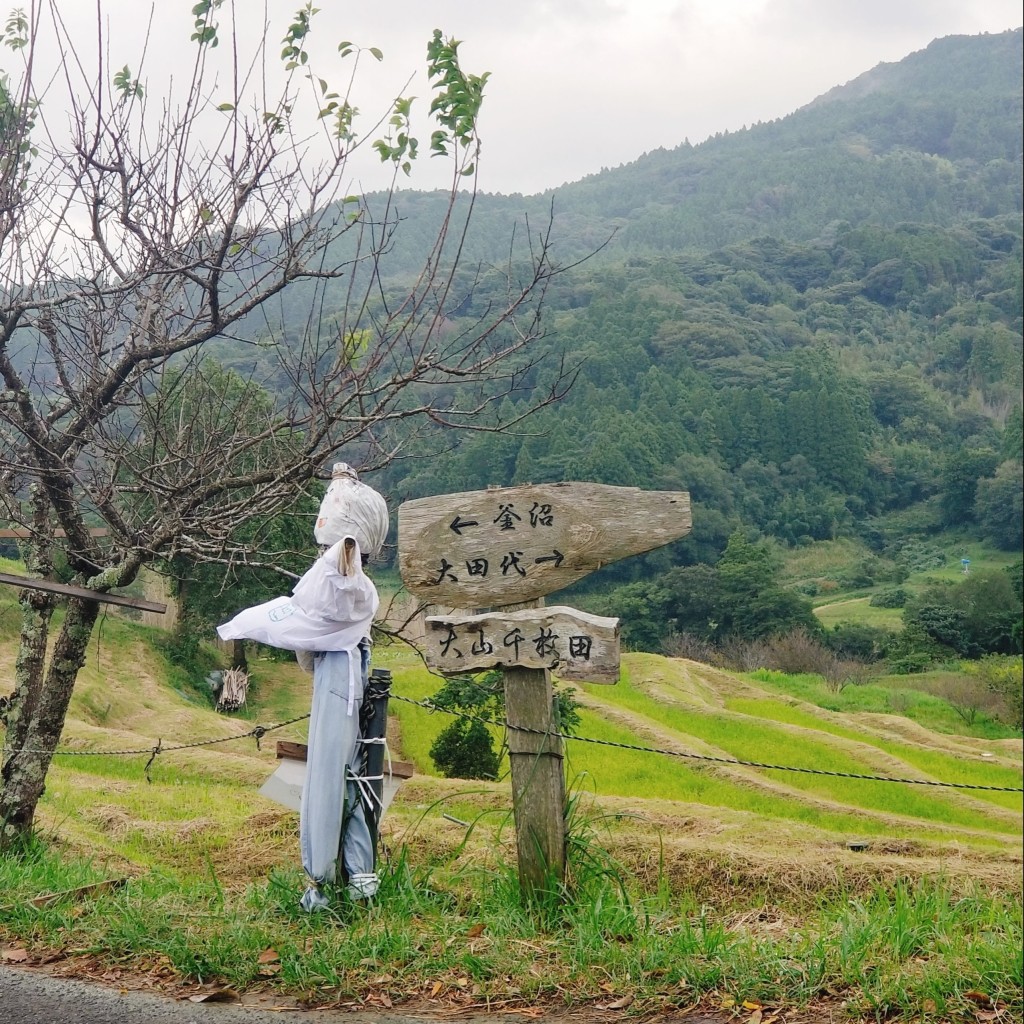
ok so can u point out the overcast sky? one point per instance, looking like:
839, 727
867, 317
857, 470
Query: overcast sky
581, 85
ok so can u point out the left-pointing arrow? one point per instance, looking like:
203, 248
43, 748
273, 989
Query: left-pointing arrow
458, 524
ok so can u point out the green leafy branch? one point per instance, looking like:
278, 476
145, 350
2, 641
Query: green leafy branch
17, 119
128, 87
334, 105
205, 33
399, 146
15, 35
457, 104
293, 54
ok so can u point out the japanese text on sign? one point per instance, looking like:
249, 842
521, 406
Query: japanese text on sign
571, 643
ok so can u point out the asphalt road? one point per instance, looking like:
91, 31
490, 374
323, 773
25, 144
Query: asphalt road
31, 997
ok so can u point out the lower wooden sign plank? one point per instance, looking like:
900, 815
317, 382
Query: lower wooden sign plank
576, 646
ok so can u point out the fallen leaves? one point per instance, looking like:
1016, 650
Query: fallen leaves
757, 1010
109, 885
15, 955
617, 1004
221, 994
270, 963
982, 999
987, 1008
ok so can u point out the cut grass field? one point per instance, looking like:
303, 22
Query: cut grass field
859, 611
694, 881
825, 564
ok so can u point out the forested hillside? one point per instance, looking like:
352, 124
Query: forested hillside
813, 325
932, 139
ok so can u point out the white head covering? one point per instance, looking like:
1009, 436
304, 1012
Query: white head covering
351, 509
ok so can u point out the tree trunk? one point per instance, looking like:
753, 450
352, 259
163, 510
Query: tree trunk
38, 708
36, 613
238, 659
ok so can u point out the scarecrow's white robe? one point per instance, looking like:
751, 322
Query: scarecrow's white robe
330, 613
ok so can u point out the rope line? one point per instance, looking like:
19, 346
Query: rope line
259, 731
707, 757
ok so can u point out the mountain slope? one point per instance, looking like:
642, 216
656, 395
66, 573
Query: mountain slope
935, 137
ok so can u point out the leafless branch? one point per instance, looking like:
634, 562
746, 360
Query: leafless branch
196, 320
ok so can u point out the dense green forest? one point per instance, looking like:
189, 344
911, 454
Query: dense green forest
812, 325
850, 352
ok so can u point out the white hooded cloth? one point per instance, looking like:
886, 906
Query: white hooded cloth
331, 608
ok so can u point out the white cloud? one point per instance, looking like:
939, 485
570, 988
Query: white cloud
578, 85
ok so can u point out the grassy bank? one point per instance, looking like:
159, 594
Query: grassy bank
690, 881
454, 933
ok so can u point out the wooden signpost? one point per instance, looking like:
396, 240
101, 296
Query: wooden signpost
483, 551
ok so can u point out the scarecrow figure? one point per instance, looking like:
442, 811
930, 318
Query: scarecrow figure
327, 621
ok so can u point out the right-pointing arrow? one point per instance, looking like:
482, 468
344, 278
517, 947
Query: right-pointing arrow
556, 556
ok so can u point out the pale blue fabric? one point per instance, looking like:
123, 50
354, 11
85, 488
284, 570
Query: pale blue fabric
333, 834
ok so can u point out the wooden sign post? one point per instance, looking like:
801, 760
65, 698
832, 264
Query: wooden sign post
538, 778
509, 547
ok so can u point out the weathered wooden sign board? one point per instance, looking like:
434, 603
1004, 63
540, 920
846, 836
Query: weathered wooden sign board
575, 645
510, 545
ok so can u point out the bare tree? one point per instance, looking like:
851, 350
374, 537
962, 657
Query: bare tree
147, 240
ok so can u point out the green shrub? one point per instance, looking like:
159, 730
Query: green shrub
920, 556
1004, 676
182, 644
465, 750
908, 664
857, 641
